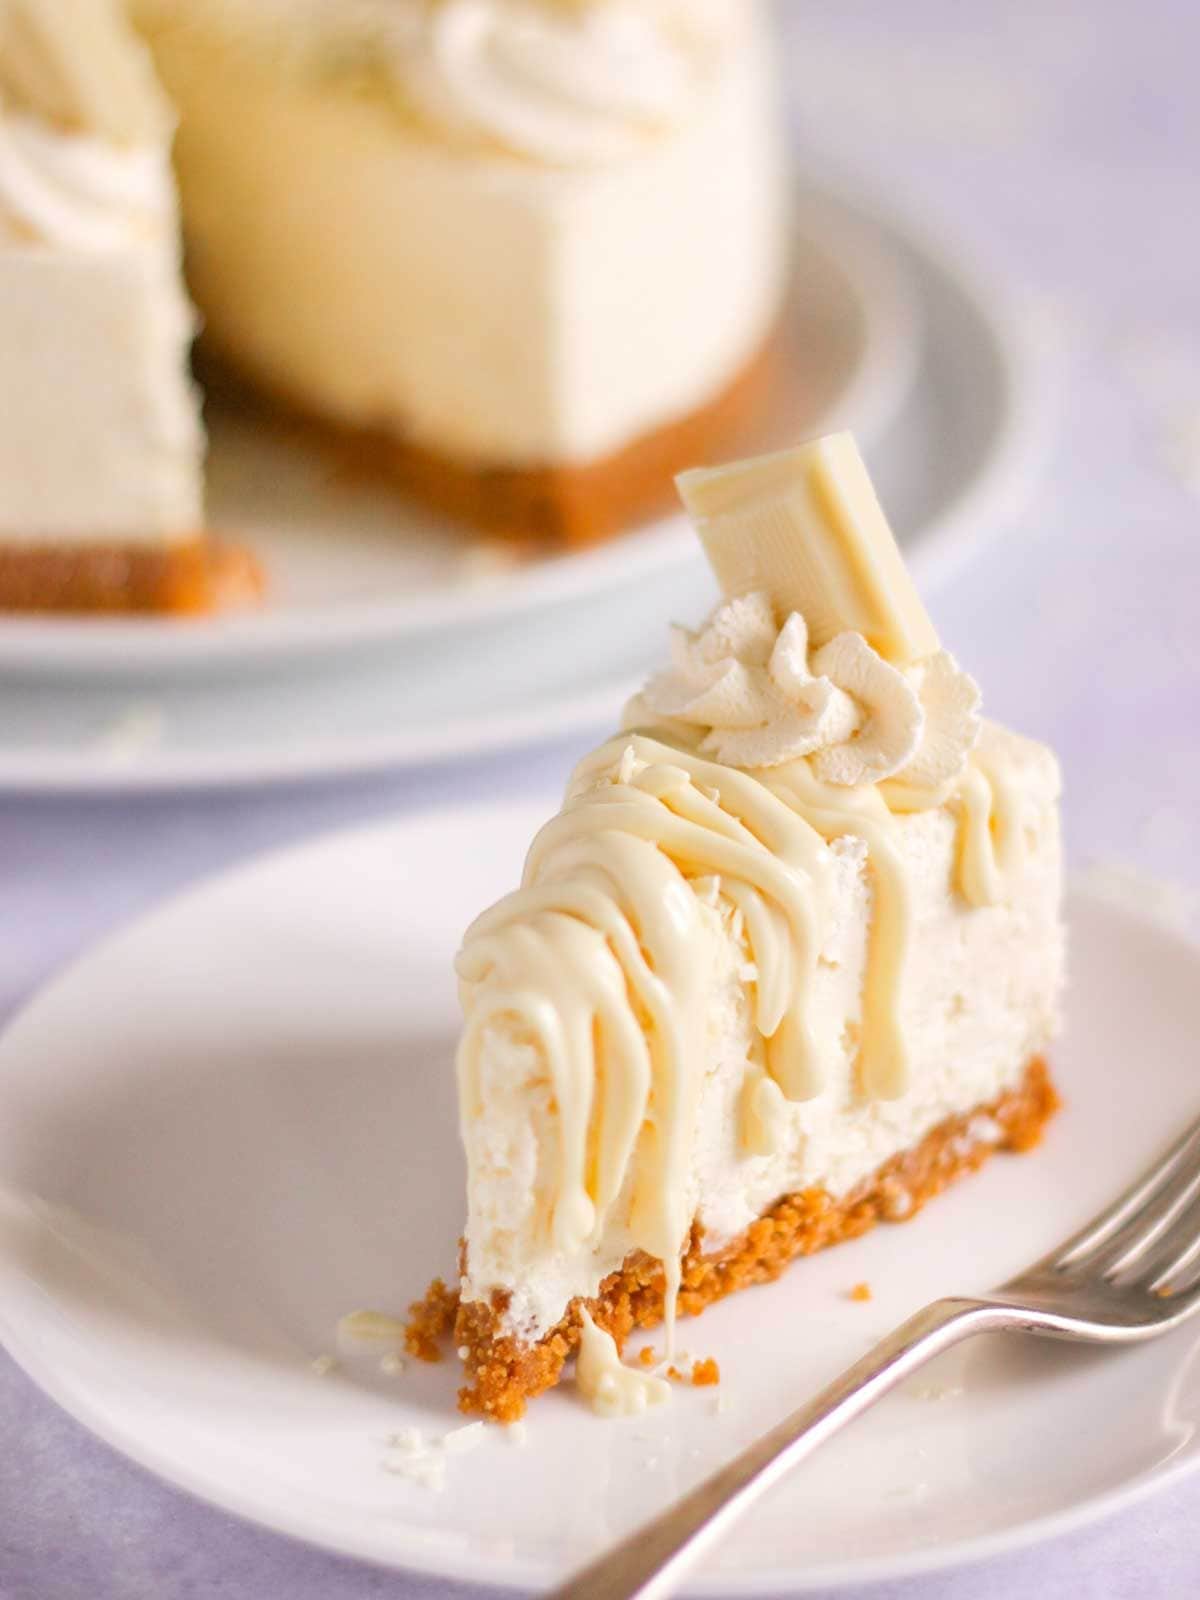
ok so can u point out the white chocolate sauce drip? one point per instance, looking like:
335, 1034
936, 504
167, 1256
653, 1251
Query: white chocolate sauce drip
610, 1387
597, 959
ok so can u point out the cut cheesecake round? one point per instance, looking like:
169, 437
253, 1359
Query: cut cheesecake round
533, 251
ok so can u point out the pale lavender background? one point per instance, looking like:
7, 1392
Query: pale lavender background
1060, 140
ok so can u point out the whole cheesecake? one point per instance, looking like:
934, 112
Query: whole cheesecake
786, 963
531, 249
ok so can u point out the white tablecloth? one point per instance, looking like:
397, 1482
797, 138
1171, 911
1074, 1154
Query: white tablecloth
1060, 140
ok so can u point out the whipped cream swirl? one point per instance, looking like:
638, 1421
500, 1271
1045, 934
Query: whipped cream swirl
565, 84
81, 192
763, 699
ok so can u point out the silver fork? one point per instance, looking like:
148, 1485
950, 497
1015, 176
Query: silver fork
1131, 1274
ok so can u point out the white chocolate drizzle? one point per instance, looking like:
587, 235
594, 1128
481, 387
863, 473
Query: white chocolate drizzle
597, 960
610, 1387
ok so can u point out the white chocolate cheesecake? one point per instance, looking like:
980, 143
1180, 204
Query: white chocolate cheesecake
101, 447
533, 248
786, 963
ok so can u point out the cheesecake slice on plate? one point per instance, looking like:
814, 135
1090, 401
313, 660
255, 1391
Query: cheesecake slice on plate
787, 962
101, 446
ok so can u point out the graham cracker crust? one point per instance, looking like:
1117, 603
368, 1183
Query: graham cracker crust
191, 579
582, 503
539, 509
503, 1375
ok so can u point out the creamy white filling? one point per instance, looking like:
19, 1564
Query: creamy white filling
978, 999
493, 310
101, 440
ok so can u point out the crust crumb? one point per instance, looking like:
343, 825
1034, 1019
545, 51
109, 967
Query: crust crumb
431, 1322
706, 1374
860, 1291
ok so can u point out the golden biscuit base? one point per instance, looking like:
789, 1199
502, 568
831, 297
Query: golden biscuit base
194, 578
503, 1374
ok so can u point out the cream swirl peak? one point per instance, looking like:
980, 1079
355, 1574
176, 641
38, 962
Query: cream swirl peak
566, 85
80, 192
84, 130
762, 699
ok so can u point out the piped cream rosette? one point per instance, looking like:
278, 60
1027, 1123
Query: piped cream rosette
823, 649
762, 699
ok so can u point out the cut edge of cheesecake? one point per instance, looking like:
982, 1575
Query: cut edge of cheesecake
503, 1373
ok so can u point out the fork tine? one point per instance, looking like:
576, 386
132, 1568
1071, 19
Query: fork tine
1169, 1259
1128, 1207
1168, 1211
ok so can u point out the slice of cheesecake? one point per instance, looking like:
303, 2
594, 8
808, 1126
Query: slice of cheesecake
786, 963
529, 253
101, 447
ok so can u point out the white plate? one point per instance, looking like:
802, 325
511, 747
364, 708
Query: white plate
238, 1120
350, 562
950, 465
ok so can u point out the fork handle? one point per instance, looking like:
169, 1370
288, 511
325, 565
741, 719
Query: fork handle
652, 1561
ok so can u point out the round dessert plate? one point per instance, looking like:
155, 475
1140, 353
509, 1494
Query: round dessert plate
263, 1138
350, 562
951, 465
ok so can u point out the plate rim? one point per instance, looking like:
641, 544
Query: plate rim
977, 513
888, 309
455, 1564
316, 761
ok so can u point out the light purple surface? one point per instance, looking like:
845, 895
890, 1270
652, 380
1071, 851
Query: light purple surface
1060, 141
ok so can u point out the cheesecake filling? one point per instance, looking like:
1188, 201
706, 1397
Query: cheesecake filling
102, 447
667, 879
